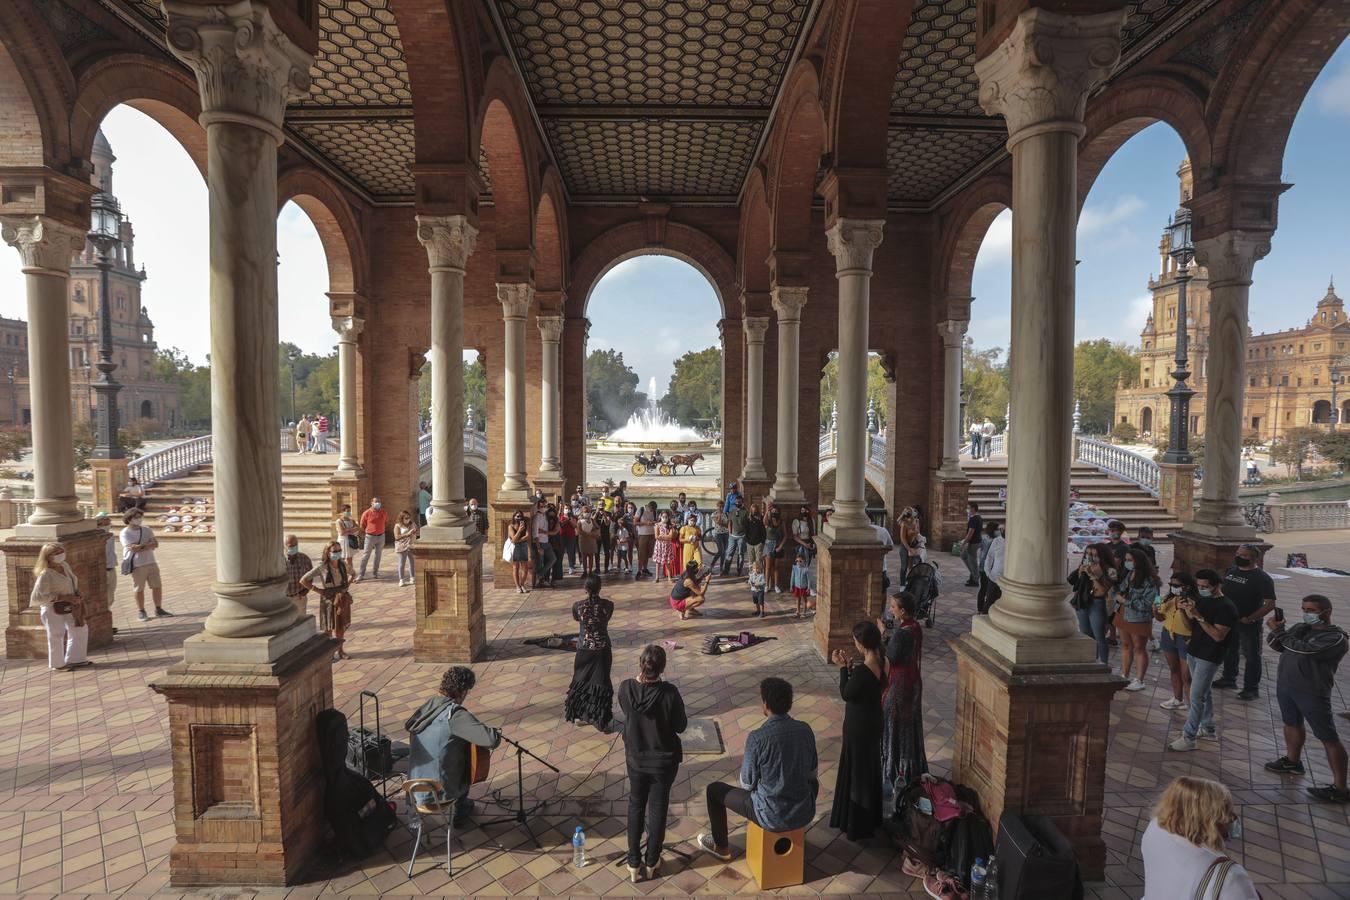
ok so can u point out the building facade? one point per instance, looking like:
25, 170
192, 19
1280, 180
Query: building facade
145, 401
1289, 374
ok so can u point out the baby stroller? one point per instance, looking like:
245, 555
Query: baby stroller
923, 584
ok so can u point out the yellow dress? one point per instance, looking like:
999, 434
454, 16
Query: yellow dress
691, 546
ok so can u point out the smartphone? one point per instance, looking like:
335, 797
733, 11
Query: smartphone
1279, 614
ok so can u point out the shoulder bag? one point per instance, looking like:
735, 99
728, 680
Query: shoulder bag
1211, 884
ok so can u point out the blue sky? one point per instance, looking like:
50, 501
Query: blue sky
654, 308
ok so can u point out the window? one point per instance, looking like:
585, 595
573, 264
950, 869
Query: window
1146, 384
1318, 346
1195, 424
1251, 382
1300, 383
1287, 416
1284, 381
1315, 381
1300, 349
1256, 423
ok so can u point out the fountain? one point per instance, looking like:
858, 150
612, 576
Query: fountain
649, 429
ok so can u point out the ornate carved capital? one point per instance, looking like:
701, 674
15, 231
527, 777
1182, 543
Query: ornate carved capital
449, 241
952, 332
852, 242
417, 359
45, 245
755, 329
247, 68
347, 328
1039, 77
550, 328
788, 301
515, 298
1230, 257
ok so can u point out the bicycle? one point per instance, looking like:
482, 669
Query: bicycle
1257, 516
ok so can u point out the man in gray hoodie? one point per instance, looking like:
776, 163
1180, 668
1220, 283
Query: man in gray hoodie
440, 733
1309, 652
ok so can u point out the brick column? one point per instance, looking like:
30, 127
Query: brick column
248, 807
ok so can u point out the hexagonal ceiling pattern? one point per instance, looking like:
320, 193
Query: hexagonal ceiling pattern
360, 59
375, 151
923, 162
664, 157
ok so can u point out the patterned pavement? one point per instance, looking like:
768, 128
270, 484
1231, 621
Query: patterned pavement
85, 792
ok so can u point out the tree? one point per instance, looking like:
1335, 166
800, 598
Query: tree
1124, 433
694, 397
13, 441
1293, 450
611, 391
475, 392
877, 391
1335, 446
985, 383
1097, 367
193, 382
129, 437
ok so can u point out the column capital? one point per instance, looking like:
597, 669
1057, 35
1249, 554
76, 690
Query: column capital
450, 241
347, 328
852, 242
755, 329
515, 298
247, 68
1229, 258
788, 301
952, 332
1039, 77
45, 245
550, 328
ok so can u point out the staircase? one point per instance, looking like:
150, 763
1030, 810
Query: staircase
1119, 499
306, 502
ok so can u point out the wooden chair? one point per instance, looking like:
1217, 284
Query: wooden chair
427, 808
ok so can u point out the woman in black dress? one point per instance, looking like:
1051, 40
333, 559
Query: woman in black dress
590, 698
857, 807
902, 752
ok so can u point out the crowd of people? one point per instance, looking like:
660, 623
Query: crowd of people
311, 433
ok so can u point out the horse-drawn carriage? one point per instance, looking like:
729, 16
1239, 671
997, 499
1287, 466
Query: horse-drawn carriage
656, 464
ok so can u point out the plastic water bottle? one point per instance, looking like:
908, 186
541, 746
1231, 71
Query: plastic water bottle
579, 848
978, 877
991, 880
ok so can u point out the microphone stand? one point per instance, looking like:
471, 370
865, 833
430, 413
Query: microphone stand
522, 814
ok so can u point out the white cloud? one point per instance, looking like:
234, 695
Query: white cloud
1332, 94
996, 249
1098, 219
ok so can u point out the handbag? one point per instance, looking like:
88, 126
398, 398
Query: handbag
1211, 885
508, 550
352, 542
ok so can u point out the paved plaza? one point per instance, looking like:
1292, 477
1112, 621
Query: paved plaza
85, 785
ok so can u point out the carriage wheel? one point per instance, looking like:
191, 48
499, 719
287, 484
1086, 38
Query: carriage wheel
638, 469
666, 469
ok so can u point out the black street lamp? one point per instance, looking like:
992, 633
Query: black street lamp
106, 233
13, 400
1183, 251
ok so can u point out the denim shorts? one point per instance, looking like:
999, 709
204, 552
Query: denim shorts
1170, 643
1297, 706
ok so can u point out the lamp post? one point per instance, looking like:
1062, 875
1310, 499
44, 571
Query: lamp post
106, 233
1183, 250
1337, 369
13, 400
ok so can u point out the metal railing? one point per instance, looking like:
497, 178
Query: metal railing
997, 446
1124, 464
876, 447
171, 461
1315, 516
475, 444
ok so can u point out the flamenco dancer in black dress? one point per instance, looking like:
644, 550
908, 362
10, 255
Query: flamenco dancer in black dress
857, 807
590, 698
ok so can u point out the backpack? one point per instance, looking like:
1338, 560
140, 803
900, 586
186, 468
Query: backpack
360, 818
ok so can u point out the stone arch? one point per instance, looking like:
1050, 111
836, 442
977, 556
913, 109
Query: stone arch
622, 242
1129, 107
1146, 420
35, 87
752, 251
791, 186
1267, 77
164, 92
505, 145
861, 59
337, 225
1321, 412
964, 228
550, 235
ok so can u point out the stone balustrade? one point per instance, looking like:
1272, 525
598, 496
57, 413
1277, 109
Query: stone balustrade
1319, 515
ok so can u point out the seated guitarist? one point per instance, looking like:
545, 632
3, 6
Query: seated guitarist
440, 733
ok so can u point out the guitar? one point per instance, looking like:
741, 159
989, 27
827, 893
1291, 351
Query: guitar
480, 763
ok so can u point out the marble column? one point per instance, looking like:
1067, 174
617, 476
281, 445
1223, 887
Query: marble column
1039, 79
46, 247
348, 328
852, 241
550, 398
953, 334
755, 329
788, 302
515, 299
449, 241
1229, 259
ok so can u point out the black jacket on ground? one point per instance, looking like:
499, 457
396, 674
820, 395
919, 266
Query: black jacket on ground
653, 717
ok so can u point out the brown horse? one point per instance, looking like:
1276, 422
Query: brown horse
685, 460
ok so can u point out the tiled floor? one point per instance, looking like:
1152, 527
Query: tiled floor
85, 789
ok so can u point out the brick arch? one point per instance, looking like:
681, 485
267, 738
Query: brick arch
1129, 107
633, 239
339, 230
21, 131
791, 185
1265, 81
550, 234
752, 250
436, 49
512, 208
861, 61
35, 90
164, 92
964, 227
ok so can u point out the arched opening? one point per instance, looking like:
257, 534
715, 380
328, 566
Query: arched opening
1321, 412
147, 409
1146, 422
653, 375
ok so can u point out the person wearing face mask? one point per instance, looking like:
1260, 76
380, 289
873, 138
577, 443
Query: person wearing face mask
329, 579
804, 537
1183, 845
1253, 593
1211, 618
970, 544
138, 544
1135, 594
1092, 582
1310, 652
519, 533
1176, 634
298, 566
477, 516
374, 521
56, 596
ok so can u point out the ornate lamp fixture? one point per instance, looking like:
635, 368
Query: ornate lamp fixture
105, 231
1183, 251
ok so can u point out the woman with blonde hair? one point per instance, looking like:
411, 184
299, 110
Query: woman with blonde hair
406, 531
329, 579
56, 594
1183, 846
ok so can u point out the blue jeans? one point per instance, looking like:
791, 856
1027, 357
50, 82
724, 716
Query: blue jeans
736, 549
543, 570
1092, 622
1201, 715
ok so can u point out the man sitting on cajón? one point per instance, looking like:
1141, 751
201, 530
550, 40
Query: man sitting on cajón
779, 783
440, 733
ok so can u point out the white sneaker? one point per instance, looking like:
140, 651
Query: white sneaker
1173, 703
1135, 685
778, 590
402, 583
1209, 734
1182, 744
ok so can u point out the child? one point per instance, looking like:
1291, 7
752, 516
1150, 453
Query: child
757, 586
621, 539
801, 583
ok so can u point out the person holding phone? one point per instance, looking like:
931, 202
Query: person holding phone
56, 594
1211, 617
1176, 632
690, 591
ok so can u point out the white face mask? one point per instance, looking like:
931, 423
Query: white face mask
335, 556
376, 505
57, 558
1312, 618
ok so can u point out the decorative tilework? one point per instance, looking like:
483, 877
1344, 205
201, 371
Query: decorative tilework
924, 161
360, 59
377, 152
